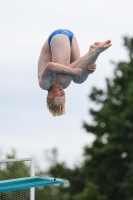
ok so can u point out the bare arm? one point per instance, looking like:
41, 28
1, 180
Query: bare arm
62, 69
46, 77
82, 78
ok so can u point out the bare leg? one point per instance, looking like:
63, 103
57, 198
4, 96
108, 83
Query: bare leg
92, 55
75, 51
82, 62
60, 48
60, 53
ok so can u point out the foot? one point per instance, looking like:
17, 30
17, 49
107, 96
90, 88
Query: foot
102, 43
99, 47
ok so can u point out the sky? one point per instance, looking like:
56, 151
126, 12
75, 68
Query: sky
25, 122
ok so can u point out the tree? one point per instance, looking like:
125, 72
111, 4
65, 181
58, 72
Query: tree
108, 163
107, 170
12, 170
59, 169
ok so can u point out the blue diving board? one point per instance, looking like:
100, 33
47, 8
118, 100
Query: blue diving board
29, 182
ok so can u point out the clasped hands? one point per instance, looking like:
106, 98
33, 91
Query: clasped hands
91, 68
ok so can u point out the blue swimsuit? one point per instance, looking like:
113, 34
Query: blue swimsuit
66, 32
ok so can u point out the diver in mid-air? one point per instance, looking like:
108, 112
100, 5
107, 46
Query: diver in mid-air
60, 63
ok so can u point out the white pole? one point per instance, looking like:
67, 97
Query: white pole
32, 190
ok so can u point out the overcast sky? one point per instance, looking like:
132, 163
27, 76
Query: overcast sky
25, 123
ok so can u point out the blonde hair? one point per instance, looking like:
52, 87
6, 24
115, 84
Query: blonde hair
55, 109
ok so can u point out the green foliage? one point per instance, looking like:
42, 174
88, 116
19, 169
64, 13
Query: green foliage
110, 167
59, 169
14, 170
106, 172
56, 169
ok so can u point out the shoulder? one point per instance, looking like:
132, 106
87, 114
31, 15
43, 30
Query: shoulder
44, 84
46, 79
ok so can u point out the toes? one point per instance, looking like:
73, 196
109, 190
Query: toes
108, 42
97, 43
102, 43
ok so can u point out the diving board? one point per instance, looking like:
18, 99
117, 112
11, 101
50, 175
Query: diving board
29, 182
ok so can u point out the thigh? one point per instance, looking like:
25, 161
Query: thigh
60, 49
75, 52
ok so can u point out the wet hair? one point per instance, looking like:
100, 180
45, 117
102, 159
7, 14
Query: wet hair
54, 109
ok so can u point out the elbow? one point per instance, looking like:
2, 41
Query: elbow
42, 86
49, 66
40, 83
40, 79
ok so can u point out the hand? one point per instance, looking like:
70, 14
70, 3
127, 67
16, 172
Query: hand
78, 72
91, 68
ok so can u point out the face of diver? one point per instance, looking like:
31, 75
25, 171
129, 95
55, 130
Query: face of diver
58, 94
